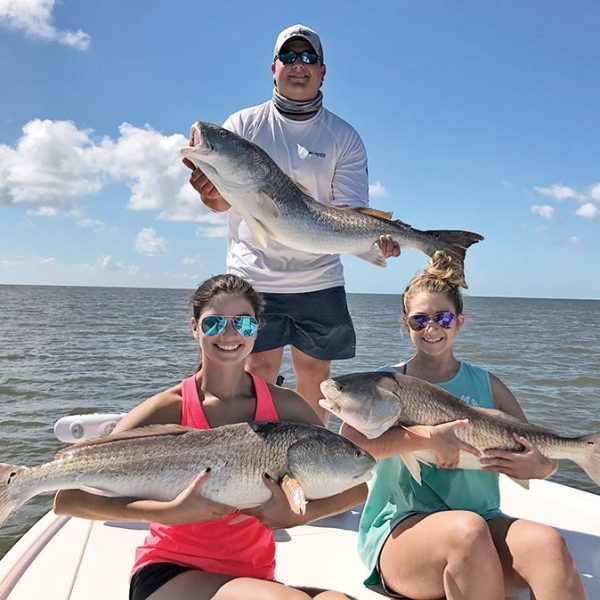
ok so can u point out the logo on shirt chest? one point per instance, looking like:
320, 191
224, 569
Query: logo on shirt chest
471, 401
304, 153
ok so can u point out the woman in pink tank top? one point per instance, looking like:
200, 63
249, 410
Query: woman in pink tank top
197, 548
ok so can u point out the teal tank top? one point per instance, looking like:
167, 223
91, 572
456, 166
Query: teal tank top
394, 495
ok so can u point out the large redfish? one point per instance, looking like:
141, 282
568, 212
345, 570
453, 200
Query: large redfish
159, 461
275, 208
373, 402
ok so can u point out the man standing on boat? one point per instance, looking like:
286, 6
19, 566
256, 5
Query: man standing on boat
304, 293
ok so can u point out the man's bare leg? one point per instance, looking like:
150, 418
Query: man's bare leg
265, 364
309, 374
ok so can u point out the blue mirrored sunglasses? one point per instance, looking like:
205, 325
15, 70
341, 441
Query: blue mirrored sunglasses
215, 324
289, 58
443, 318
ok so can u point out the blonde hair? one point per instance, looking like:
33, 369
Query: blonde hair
442, 276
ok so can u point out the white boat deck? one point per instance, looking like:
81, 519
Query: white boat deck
63, 558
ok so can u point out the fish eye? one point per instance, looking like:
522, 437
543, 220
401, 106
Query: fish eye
222, 133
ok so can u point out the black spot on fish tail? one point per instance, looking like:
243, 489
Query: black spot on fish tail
10, 477
455, 245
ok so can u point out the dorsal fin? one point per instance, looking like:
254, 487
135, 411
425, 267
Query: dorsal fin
382, 215
374, 212
138, 432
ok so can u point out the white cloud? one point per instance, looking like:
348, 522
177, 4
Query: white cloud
377, 190
149, 244
575, 240
212, 232
544, 211
50, 167
43, 211
108, 263
588, 201
4, 263
54, 165
588, 211
34, 18
557, 191
594, 192
150, 164
189, 261
96, 225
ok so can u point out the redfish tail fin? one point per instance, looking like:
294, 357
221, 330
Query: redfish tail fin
8, 502
455, 245
590, 460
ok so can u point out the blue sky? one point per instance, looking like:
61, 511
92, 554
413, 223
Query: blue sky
476, 115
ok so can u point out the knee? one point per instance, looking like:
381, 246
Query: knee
546, 541
310, 367
264, 364
470, 536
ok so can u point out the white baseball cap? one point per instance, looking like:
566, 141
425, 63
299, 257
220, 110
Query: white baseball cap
299, 31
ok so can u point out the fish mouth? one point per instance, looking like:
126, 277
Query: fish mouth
364, 477
199, 141
331, 406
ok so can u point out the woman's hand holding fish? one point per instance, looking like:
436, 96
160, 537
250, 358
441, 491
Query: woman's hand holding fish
529, 463
275, 513
190, 507
447, 446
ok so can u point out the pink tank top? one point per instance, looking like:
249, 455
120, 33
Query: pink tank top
246, 549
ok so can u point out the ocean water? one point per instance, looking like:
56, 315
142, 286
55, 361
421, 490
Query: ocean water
71, 350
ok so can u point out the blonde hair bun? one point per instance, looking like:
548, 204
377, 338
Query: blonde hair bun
442, 266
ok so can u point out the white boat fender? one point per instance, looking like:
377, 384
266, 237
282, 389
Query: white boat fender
79, 428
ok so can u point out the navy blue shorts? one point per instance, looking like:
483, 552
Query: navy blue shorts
317, 323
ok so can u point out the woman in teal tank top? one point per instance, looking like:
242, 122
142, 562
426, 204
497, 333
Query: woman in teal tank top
448, 537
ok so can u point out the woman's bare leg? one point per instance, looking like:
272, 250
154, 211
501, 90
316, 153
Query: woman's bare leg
200, 585
536, 556
443, 554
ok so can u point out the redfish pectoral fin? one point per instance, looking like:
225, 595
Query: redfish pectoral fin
294, 493
524, 483
259, 232
412, 464
373, 256
419, 430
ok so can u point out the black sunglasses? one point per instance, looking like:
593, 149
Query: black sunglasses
289, 57
443, 318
